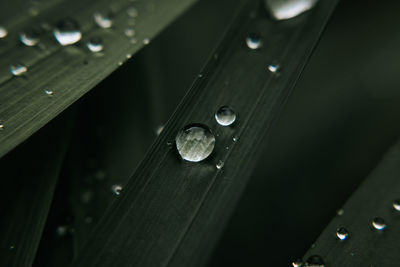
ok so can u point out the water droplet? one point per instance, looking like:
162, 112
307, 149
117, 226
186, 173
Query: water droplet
49, 92
225, 116
132, 12
195, 142
396, 204
29, 37
340, 212
379, 224
116, 189
219, 164
3, 32
103, 20
146, 41
61, 230
297, 263
315, 261
274, 68
159, 129
235, 138
130, 32
253, 41
128, 56
67, 32
95, 44
133, 41
11, 247
342, 233
18, 69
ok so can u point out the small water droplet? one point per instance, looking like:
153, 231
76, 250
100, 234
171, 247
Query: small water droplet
49, 92
1, 126
130, 32
102, 20
274, 68
11, 247
29, 37
253, 41
116, 189
132, 12
128, 56
159, 129
67, 32
219, 164
225, 116
340, 212
379, 224
195, 142
146, 41
315, 261
18, 69
95, 44
3, 32
396, 204
133, 40
235, 138
297, 263
342, 233
61, 230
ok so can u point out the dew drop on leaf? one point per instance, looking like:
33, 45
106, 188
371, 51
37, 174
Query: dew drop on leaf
18, 69
67, 32
253, 41
195, 142
225, 116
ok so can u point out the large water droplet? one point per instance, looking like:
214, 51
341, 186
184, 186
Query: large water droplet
103, 20
18, 69
29, 37
342, 233
95, 44
379, 224
67, 32
315, 261
225, 116
253, 41
116, 189
3, 32
396, 204
195, 142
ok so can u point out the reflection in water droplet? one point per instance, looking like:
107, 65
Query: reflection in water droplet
235, 138
274, 68
67, 32
253, 41
18, 69
132, 12
49, 92
219, 164
29, 37
116, 189
396, 204
95, 44
146, 41
225, 116
315, 261
195, 142
297, 263
342, 233
102, 20
130, 32
3, 32
379, 224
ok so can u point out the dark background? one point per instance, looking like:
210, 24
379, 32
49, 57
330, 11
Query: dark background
343, 115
